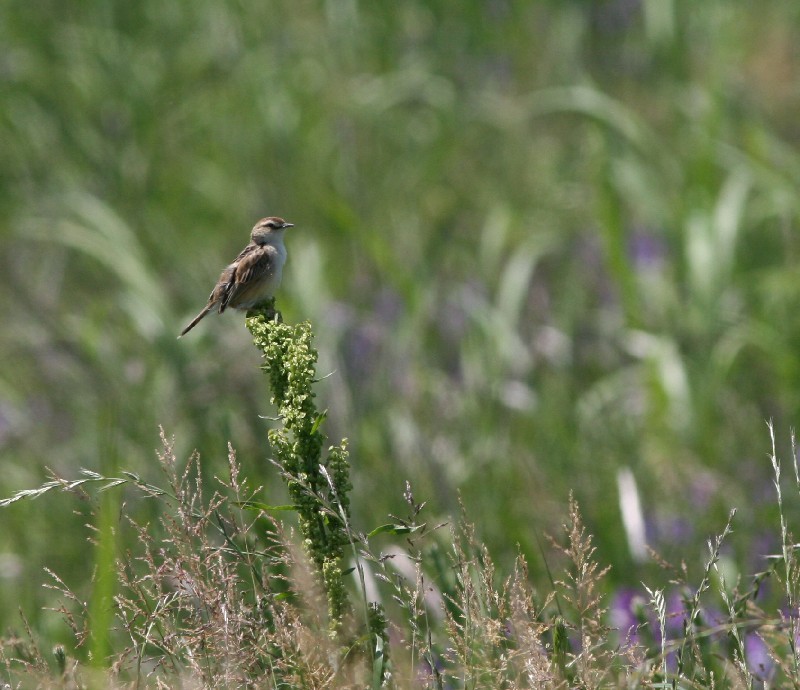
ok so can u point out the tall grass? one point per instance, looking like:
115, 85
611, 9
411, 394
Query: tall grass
219, 594
543, 245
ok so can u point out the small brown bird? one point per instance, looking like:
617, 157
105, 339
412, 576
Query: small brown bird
254, 275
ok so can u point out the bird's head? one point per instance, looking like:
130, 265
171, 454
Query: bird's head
267, 229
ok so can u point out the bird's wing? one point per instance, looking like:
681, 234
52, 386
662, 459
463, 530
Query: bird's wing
248, 269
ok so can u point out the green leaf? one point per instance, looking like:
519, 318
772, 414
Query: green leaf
257, 506
377, 663
320, 418
393, 529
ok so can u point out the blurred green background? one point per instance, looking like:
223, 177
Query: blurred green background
545, 246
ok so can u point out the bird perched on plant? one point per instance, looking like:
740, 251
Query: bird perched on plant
253, 276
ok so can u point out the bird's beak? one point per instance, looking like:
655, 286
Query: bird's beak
288, 225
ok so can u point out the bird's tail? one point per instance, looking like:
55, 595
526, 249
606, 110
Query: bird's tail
196, 320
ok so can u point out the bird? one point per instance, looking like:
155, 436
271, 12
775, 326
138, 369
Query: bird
252, 277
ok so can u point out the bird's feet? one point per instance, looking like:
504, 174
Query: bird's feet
267, 310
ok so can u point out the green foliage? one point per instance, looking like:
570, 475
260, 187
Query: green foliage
210, 598
319, 491
544, 246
